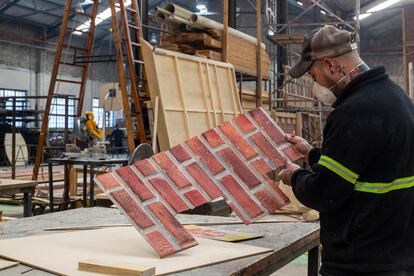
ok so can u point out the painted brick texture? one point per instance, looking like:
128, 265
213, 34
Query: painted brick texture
235, 160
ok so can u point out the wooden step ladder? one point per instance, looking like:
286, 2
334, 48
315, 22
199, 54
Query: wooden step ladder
127, 38
64, 29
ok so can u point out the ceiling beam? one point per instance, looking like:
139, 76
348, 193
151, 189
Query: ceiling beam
9, 18
9, 5
38, 11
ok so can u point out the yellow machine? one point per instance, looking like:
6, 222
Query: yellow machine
92, 127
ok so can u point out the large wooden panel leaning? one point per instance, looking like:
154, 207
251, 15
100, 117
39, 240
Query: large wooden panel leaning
195, 94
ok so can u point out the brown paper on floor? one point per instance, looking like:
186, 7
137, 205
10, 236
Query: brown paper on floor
295, 206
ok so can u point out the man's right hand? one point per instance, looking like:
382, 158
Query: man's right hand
301, 144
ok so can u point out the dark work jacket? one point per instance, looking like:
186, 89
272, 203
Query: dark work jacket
362, 180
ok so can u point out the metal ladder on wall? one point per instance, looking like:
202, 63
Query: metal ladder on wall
123, 41
55, 70
127, 38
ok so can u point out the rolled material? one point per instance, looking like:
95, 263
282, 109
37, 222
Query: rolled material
179, 11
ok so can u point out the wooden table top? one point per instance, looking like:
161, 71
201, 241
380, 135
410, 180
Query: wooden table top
9, 184
288, 239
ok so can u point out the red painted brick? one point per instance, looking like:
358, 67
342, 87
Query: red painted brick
244, 124
239, 214
195, 197
132, 180
238, 166
107, 180
268, 125
171, 170
213, 138
205, 155
203, 180
168, 194
267, 200
264, 170
292, 153
180, 153
160, 243
267, 149
241, 196
132, 209
238, 140
145, 167
171, 224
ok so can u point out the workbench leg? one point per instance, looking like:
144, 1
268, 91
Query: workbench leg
314, 260
66, 198
27, 204
84, 185
50, 173
92, 187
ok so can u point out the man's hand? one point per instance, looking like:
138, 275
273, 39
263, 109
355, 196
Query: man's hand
301, 144
286, 174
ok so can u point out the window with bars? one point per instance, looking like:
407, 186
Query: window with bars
99, 115
7, 103
57, 115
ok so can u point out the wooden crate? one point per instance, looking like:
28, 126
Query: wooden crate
195, 94
249, 99
288, 121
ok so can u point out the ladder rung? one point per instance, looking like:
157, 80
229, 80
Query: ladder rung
70, 64
131, 10
138, 61
135, 44
69, 81
75, 47
133, 26
83, 13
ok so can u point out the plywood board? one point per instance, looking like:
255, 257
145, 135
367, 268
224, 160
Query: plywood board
115, 245
195, 93
21, 148
7, 264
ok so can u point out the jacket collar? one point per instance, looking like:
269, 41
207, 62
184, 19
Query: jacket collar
375, 74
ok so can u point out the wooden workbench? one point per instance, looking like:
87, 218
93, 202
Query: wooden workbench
17, 186
288, 239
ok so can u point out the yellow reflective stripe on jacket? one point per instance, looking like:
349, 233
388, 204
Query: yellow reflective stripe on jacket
369, 187
382, 188
339, 169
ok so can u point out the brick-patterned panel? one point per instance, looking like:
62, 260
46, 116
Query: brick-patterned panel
131, 208
145, 167
168, 193
243, 198
269, 126
172, 225
171, 170
108, 181
234, 160
134, 183
267, 149
237, 140
213, 139
180, 153
239, 167
202, 152
203, 180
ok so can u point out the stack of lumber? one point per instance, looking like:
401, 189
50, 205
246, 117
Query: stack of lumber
248, 100
200, 36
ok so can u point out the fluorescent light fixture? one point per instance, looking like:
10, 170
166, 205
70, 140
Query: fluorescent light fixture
383, 5
270, 32
323, 12
363, 15
201, 7
99, 19
299, 3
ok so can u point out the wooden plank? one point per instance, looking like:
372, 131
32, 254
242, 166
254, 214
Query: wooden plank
126, 269
7, 264
115, 245
192, 92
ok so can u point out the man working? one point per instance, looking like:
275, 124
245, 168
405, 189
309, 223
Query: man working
362, 180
